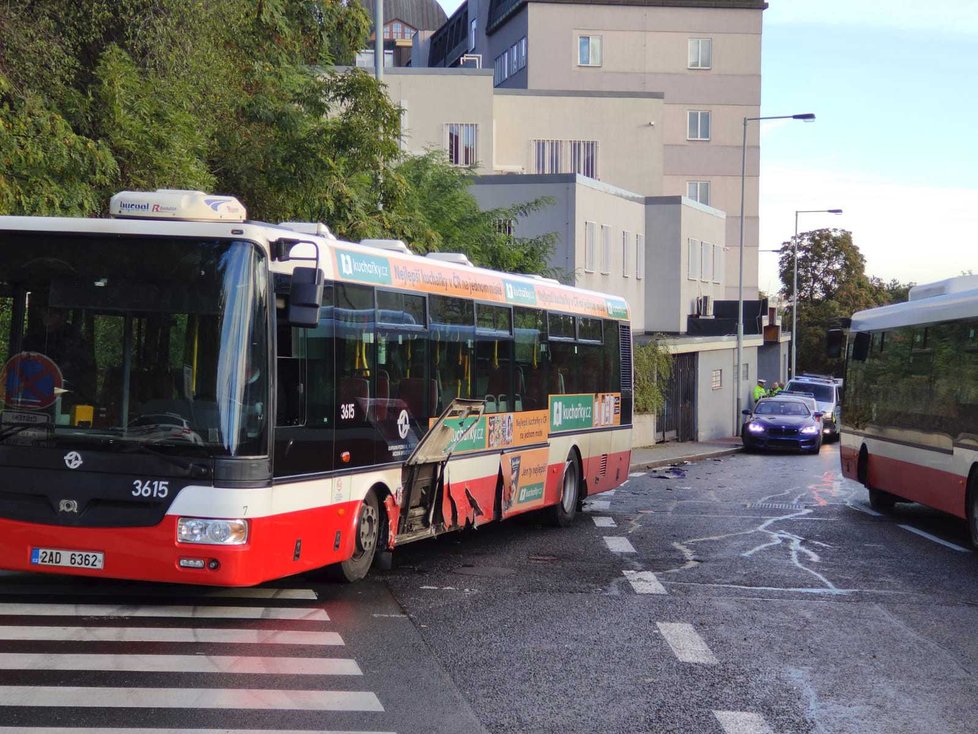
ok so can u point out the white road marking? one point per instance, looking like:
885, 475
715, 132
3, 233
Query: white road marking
644, 582
181, 664
934, 538
154, 591
109, 610
189, 698
597, 505
618, 544
742, 722
636, 474
608, 493
688, 646
263, 593
602, 521
168, 634
861, 508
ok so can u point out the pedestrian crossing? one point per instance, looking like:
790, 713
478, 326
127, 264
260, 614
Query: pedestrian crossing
130, 659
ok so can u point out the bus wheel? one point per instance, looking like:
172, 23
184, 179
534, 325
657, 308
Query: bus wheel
972, 508
878, 499
367, 535
562, 514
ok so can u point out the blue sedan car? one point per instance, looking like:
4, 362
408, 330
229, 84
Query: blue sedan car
783, 424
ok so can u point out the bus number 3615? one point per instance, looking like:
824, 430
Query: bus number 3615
150, 488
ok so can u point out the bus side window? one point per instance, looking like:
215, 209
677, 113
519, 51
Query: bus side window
532, 359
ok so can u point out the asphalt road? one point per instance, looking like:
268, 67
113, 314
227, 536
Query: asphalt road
748, 594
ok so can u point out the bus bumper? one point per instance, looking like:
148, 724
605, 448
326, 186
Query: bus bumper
277, 546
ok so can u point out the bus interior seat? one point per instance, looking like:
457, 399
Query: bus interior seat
420, 396
490, 403
383, 395
503, 403
353, 388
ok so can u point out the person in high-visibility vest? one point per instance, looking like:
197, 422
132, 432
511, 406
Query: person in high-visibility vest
759, 390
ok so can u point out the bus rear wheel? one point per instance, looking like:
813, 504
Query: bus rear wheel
878, 499
367, 534
562, 514
972, 506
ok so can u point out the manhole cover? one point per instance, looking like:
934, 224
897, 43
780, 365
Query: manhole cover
484, 571
775, 506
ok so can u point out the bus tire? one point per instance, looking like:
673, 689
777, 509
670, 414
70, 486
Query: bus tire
562, 514
878, 499
971, 505
366, 537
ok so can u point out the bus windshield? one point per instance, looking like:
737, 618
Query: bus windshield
133, 342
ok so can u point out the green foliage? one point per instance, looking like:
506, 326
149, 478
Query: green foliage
651, 369
238, 97
832, 284
438, 214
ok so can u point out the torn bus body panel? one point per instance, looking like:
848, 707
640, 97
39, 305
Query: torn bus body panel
393, 511
423, 476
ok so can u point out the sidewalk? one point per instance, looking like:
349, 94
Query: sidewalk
673, 452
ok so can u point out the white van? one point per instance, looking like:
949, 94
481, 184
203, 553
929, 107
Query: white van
827, 393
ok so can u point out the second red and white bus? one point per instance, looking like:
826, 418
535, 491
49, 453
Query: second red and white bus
910, 412
192, 397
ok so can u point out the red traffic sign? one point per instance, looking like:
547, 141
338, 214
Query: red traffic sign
31, 380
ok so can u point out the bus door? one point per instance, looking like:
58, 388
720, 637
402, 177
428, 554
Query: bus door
422, 478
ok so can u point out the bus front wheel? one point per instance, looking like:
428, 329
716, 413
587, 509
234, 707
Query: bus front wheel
367, 533
562, 514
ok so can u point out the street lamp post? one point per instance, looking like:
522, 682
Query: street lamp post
738, 388
794, 285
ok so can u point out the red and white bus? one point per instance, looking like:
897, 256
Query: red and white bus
910, 414
192, 397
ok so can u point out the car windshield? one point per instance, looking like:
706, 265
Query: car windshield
133, 341
781, 407
822, 393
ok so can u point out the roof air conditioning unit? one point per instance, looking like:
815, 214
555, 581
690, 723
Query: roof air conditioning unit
451, 257
392, 245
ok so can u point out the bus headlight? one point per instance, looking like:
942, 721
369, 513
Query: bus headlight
212, 532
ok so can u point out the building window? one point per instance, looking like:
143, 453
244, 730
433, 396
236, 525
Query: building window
472, 27
504, 226
700, 53
605, 249
462, 144
639, 256
365, 59
692, 259
589, 50
717, 263
698, 191
589, 228
706, 262
584, 157
546, 156
698, 125
500, 69
716, 380
521, 51
626, 242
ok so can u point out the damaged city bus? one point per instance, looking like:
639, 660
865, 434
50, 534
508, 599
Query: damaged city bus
191, 397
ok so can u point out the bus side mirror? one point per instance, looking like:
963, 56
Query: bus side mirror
305, 297
860, 346
834, 341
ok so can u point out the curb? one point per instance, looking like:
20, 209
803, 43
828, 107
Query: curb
692, 458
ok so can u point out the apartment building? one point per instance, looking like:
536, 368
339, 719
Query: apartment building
628, 114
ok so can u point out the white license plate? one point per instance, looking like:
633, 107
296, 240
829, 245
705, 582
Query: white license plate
67, 558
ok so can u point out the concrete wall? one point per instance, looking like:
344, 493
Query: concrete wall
578, 200
645, 49
629, 147
672, 221
432, 98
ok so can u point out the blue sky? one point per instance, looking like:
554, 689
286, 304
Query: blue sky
894, 86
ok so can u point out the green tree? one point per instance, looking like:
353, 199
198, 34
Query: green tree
832, 284
651, 369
